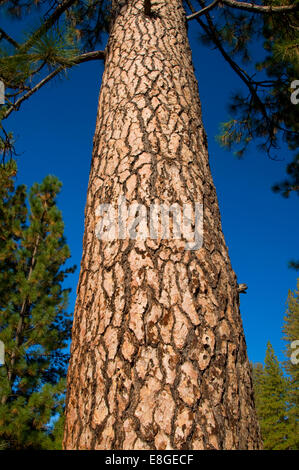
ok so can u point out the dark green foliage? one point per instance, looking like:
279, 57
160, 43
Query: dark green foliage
270, 395
266, 113
258, 375
263, 50
67, 29
276, 388
34, 325
291, 337
90, 21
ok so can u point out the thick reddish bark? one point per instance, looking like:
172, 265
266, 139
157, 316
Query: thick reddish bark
158, 357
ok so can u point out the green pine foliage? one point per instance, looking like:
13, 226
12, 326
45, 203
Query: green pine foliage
276, 387
270, 397
262, 49
34, 324
269, 110
45, 50
291, 337
258, 374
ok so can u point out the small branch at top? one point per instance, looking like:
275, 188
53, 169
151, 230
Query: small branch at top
202, 11
261, 8
61, 8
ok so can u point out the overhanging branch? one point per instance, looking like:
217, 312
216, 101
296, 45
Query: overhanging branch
213, 34
197, 14
4, 35
252, 7
96, 55
264, 9
88, 56
62, 7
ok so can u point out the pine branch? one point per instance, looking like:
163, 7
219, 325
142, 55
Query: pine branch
96, 55
11, 373
252, 7
4, 35
202, 11
264, 9
47, 24
6, 144
214, 35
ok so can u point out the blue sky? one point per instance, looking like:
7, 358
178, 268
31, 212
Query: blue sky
54, 132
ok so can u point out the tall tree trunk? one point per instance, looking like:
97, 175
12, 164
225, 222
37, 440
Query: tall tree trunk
158, 356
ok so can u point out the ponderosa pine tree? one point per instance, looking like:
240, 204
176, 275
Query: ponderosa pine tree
158, 357
34, 325
291, 336
158, 353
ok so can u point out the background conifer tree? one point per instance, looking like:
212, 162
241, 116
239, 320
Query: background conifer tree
291, 336
258, 377
276, 388
270, 388
34, 325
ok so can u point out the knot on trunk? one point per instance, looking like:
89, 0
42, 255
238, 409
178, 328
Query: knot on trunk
242, 288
